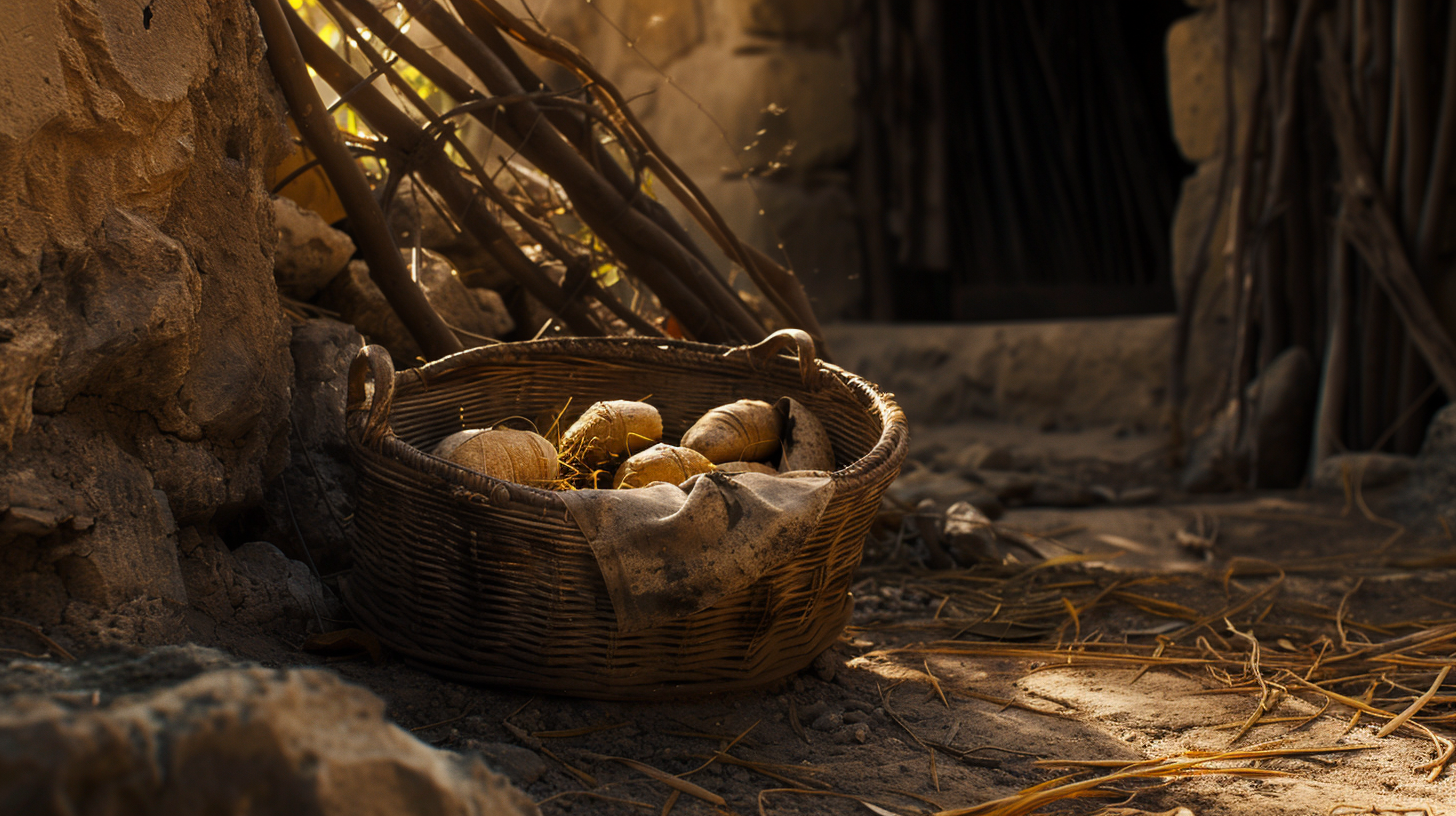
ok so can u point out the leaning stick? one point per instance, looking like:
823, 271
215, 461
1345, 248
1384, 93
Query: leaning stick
436, 169
371, 232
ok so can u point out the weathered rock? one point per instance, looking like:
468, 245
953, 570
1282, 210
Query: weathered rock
315, 492
969, 535
1440, 443
1275, 441
143, 366
285, 591
132, 321
24, 353
974, 457
826, 665
81, 509
918, 484
192, 477
255, 588
211, 575
171, 733
1366, 470
929, 524
322, 352
1196, 70
1433, 486
310, 252
358, 300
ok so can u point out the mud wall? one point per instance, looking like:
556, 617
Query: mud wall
144, 368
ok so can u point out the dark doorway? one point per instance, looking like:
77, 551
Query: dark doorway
1017, 158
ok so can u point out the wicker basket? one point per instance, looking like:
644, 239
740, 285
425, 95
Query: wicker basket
486, 581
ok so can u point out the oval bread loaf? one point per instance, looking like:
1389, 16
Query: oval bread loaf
747, 430
806, 443
611, 429
515, 456
660, 463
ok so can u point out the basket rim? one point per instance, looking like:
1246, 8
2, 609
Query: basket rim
889, 450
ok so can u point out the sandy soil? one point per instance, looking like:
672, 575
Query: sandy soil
955, 688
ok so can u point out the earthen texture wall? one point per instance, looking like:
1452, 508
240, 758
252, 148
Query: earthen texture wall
144, 368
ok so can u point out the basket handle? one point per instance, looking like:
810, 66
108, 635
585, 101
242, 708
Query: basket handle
371, 388
761, 352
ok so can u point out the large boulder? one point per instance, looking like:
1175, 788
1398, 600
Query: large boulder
144, 368
184, 731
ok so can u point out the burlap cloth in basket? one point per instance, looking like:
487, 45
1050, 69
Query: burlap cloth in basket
666, 553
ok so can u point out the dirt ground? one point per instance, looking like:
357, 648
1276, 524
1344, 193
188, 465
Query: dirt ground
1176, 630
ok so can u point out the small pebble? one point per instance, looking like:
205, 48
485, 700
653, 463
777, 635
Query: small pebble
826, 665
855, 717
828, 721
813, 711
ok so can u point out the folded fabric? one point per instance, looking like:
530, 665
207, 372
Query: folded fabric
666, 553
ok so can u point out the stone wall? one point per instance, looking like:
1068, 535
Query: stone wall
1197, 96
733, 87
144, 367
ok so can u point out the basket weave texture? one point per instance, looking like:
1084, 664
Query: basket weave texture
486, 581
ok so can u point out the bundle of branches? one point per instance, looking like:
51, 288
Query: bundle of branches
1337, 183
563, 135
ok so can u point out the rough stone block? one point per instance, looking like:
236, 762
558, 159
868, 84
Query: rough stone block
310, 252
95, 514
30, 71
133, 317
222, 740
1196, 75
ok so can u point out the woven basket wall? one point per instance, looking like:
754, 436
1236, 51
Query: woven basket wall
487, 581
